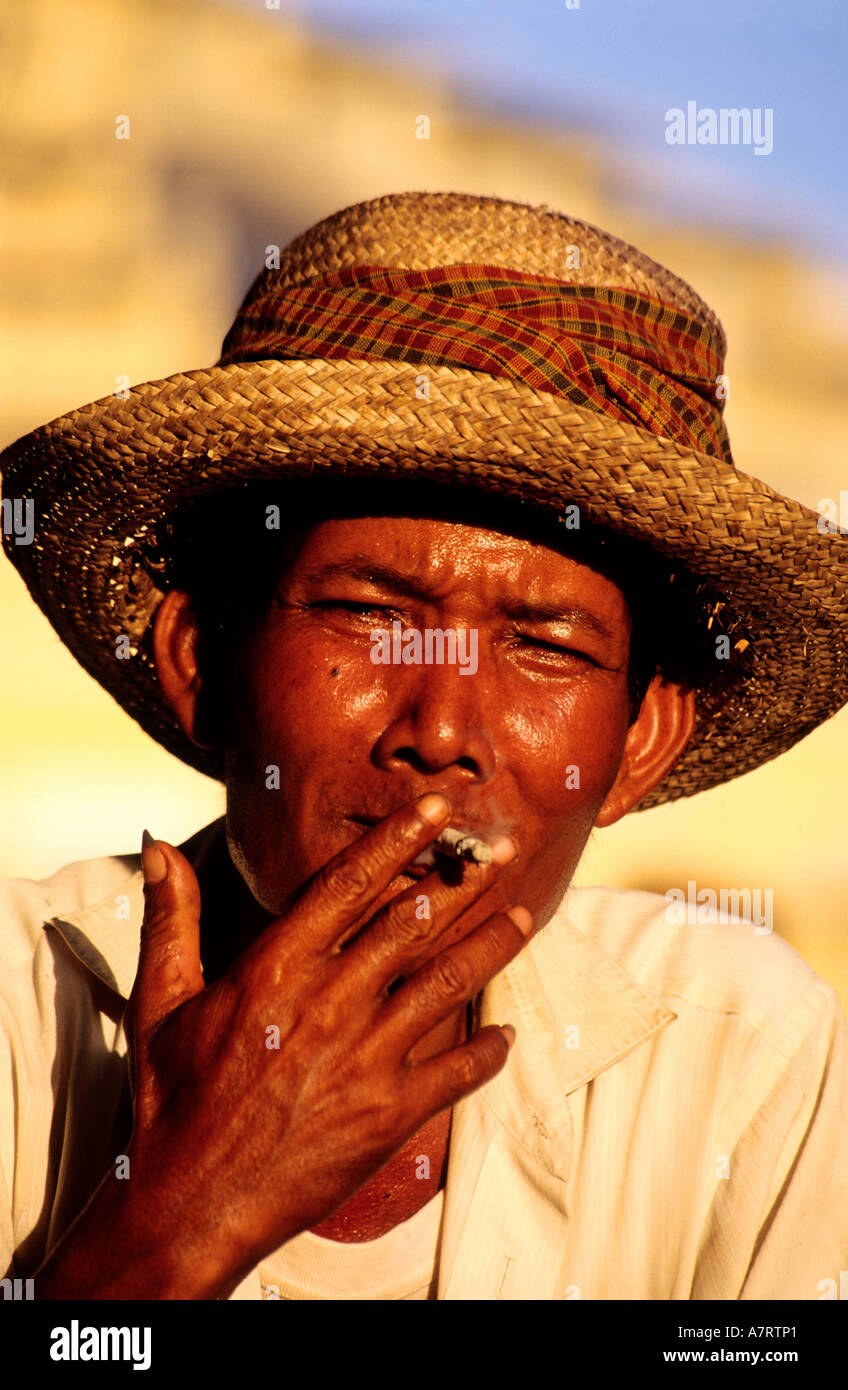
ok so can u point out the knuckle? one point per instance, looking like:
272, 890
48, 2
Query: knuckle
465, 1074
502, 939
326, 1014
403, 926
260, 975
156, 924
477, 1063
447, 977
345, 880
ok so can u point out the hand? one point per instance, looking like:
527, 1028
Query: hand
246, 1142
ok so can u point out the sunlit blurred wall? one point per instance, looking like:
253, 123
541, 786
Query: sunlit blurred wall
130, 257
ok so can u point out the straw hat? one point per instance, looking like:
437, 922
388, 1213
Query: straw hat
561, 365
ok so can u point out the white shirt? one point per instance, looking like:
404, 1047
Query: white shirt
671, 1122
402, 1264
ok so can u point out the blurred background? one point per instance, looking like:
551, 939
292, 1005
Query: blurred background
247, 123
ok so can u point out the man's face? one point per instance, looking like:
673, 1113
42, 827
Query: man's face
530, 743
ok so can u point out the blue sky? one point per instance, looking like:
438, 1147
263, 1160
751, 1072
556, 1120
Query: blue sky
617, 66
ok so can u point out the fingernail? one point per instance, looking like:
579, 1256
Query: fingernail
432, 808
503, 849
154, 865
508, 1032
522, 919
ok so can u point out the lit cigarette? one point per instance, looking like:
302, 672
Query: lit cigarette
463, 846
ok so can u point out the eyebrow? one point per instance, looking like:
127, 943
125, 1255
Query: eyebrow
572, 613
367, 571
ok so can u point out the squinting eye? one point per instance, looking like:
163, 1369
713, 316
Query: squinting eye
554, 647
347, 606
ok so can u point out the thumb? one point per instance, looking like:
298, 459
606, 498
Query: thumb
169, 970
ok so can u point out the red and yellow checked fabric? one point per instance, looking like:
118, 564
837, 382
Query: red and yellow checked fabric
619, 352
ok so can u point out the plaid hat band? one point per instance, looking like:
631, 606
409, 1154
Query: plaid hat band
621, 353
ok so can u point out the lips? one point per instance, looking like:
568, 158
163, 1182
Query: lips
427, 859
431, 853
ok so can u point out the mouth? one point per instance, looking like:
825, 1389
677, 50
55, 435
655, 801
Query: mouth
456, 842
442, 857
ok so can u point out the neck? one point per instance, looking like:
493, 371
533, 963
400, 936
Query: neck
230, 916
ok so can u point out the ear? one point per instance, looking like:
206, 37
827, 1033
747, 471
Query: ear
175, 638
654, 742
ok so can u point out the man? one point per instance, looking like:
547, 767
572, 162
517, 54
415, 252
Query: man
444, 564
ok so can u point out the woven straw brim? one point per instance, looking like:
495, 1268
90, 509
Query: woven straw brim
103, 478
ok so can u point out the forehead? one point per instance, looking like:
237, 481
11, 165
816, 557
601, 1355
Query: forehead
443, 557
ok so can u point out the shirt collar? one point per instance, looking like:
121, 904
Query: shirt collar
104, 935
593, 994
597, 1015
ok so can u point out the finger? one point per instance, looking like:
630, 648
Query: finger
451, 978
442, 1081
408, 927
169, 969
354, 878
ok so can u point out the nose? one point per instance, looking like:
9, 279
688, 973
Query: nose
438, 725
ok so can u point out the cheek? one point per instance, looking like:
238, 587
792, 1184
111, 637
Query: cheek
297, 691
305, 712
277, 758
571, 745
568, 751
